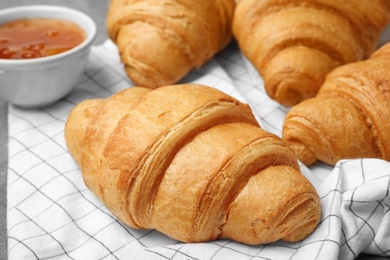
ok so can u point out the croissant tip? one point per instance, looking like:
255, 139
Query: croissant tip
289, 89
304, 154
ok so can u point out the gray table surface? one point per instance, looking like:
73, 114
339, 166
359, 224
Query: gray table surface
97, 9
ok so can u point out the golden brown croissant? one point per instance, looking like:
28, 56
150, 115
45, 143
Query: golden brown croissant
191, 162
349, 118
294, 44
161, 41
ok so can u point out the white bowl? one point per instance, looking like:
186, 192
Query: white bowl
39, 82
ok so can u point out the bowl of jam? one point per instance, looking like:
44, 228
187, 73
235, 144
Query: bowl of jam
43, 53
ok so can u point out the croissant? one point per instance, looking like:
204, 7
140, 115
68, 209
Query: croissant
349, 118
295, 44
159, 42
193, 163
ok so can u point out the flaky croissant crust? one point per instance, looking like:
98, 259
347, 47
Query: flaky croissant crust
191, 162
159, 42
349, 118
294, 44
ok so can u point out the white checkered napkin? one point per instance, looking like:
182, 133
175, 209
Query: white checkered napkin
52, 215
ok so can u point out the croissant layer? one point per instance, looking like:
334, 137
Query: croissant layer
193, 163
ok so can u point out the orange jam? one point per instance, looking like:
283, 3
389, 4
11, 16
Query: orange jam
38, 37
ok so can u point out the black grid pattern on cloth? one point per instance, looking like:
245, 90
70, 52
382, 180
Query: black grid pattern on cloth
52, 215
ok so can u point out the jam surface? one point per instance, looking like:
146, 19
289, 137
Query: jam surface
38, 37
